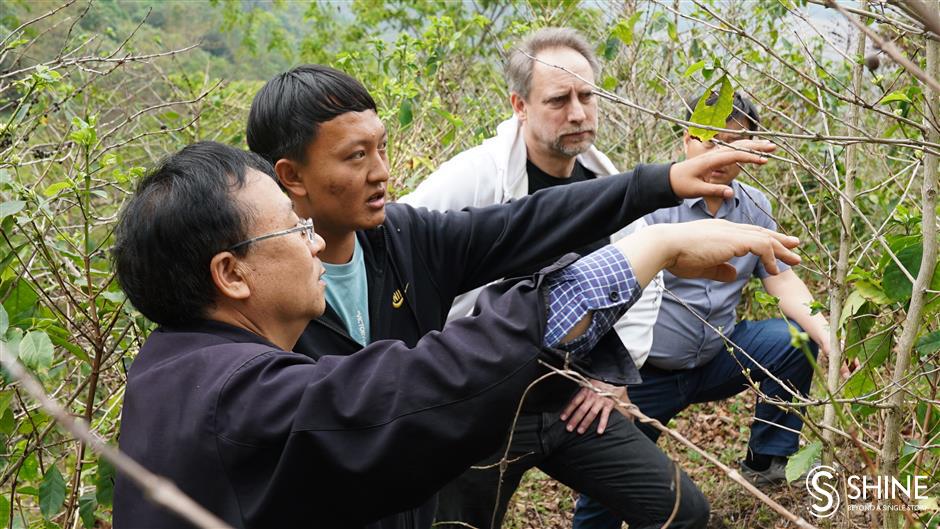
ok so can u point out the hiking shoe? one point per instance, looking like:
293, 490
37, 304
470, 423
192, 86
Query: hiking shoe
775, 474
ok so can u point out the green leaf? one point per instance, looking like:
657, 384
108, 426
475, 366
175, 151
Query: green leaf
861, 383
872, 292
6, 397
405, 113
713, 115
853, 302
609, 83
36, 350
86, 509
11, 207
29, 471
857, 328
929, 344
895, 96
623, 30
800, 462
4, 511
896, 285
610, 48
7, 422
104, 483
765, 299
671, 31
816, 307
694, 68
52, 189
876, 348
51, 493
4, 321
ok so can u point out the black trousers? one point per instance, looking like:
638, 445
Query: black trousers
620, 468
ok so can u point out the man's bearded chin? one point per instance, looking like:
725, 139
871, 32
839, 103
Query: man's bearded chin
573, 150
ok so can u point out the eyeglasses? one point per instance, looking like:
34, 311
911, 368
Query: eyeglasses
304, 225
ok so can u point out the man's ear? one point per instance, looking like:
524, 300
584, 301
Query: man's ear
686, 138
228, 276
288, 174
518, 106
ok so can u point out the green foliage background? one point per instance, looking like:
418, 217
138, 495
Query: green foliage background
94, 93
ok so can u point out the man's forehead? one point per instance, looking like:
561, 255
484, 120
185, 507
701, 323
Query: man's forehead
260, 191
561, 67
351, 128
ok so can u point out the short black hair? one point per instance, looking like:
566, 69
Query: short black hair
286, 114
182, 214
742, 108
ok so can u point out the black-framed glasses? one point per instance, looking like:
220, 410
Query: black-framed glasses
304, 225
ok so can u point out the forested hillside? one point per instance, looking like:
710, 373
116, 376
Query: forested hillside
93, 93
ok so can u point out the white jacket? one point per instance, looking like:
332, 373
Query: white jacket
495, 172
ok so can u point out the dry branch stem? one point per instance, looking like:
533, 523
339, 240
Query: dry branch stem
842, 264
912, 323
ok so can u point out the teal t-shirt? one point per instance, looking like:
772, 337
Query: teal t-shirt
348, 293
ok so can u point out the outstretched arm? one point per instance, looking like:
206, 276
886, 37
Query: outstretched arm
795, 300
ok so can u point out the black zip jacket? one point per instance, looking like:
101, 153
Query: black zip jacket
266, 438
418, 261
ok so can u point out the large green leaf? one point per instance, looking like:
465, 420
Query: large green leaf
104, 483
7, 422
853, 303
861, 383
872, 292
800, 462
11, 207
857, 328
4, 510
405, 113
929, 344
876, 347
895, 96
896, 285
86, 509
22, 302
36, 350
51, 493
715, 115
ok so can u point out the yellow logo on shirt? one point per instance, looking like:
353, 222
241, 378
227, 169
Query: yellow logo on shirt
398, 297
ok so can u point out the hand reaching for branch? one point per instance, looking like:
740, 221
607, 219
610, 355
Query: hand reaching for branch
689, 178
588, 404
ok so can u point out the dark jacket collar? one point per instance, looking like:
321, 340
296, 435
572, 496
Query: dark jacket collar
224, 331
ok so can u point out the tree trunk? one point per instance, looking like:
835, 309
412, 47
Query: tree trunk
912, 323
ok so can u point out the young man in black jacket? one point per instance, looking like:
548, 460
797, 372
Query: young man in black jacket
212, 250
396, 270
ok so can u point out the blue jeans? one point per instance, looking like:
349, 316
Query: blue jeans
663, 394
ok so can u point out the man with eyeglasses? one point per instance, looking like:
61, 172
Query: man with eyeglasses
393, 271
212, 250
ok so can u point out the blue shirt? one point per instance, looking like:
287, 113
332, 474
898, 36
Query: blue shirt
347, 291
680, 339
602, 282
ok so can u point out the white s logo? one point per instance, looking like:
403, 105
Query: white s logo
820, 483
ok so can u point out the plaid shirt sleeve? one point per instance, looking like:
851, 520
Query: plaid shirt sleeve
602, 282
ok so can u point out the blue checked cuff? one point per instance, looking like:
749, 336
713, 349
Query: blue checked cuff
602, 282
